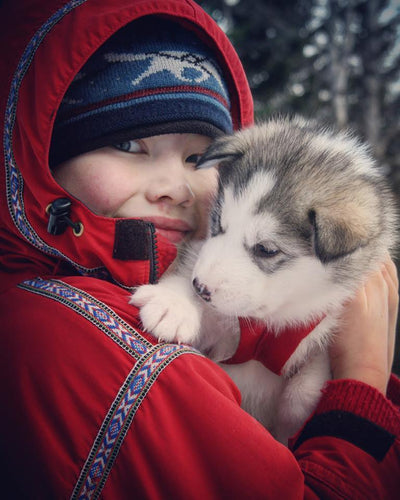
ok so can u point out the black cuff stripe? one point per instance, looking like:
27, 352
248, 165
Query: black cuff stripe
359, 431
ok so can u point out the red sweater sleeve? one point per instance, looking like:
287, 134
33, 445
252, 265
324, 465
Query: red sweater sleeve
349, 448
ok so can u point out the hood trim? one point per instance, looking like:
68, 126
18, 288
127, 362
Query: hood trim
14, 180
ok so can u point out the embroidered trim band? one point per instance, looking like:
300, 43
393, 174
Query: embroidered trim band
14, 180
116, 424
150, 362
95, 311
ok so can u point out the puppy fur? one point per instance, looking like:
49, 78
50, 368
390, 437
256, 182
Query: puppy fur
302, 216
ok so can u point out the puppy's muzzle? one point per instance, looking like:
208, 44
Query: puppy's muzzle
201, 290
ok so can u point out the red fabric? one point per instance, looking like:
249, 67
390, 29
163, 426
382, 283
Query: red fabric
263, 344
66, 383
76, 372
314, 455
41, 92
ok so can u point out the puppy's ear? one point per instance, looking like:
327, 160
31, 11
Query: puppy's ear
342, 228
223, 150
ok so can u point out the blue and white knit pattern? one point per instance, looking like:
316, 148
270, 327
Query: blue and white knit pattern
148, 72
186, 67
151, 77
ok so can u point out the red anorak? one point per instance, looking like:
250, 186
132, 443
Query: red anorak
91, 406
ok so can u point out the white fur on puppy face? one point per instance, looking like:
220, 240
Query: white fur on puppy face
268, 288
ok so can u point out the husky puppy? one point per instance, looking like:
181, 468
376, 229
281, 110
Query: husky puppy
302, 216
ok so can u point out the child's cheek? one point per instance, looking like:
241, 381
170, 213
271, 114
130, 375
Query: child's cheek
102, 196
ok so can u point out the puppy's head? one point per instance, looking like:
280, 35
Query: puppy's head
298, 207
324, 182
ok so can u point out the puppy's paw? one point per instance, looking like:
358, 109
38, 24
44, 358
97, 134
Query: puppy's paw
167, 314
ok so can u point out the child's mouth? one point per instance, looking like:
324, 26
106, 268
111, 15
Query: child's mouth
174, 230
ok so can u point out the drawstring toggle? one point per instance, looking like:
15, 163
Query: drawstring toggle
59, 220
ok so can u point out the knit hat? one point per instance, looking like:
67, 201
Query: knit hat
152, 77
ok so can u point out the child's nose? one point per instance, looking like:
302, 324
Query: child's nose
173, 189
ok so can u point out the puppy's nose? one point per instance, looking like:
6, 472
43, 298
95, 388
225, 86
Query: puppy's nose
201, 290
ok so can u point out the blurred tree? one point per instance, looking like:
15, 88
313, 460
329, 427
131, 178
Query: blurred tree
378, 46
338, 60
269, 37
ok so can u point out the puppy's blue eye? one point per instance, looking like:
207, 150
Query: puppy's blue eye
129, 146
264, 252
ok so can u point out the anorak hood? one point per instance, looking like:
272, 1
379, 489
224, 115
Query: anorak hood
43, 46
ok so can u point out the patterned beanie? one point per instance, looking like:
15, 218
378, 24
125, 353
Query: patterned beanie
152, 77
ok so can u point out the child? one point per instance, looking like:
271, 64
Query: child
106, 107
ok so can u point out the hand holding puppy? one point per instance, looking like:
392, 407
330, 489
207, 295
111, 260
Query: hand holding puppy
363, 348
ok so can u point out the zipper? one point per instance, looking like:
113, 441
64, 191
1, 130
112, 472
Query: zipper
154, 264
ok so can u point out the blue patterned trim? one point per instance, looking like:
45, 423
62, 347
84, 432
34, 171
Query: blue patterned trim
95, 311
116, 424
14, 180
151, 360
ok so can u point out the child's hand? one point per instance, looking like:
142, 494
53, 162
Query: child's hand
363, 348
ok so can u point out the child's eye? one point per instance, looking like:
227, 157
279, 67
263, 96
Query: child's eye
193, 158
129, 146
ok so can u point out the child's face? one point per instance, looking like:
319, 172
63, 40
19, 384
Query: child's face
152, 179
